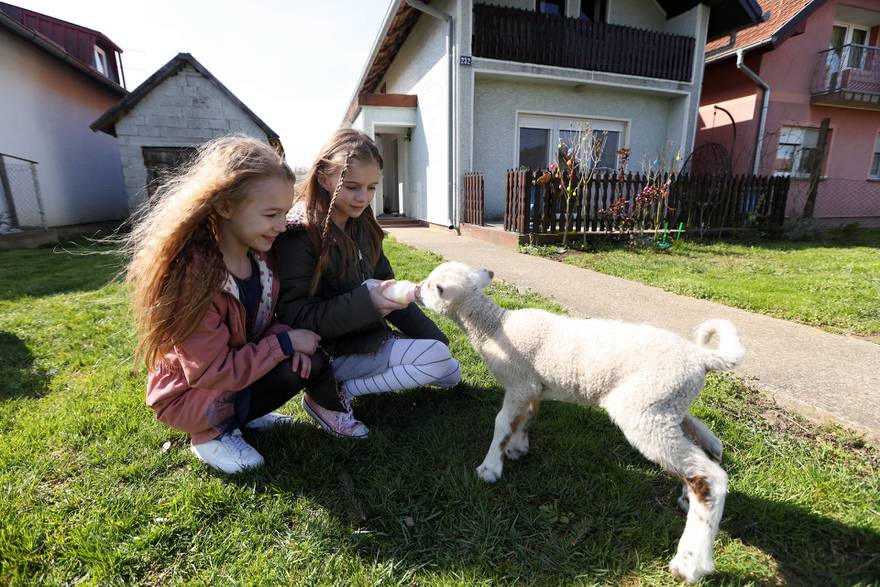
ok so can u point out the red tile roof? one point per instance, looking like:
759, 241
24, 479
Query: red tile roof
781, 15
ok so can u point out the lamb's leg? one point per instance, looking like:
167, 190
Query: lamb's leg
662, 441
514, 404
696, 430
519, 438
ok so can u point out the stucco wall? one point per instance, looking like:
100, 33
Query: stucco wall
730, 89
420, 68
184, 110
47, 108
788, 70
643, 14
496, 103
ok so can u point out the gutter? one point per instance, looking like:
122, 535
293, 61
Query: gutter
450, 51
765, 101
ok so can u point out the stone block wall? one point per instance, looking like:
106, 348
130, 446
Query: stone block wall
185, 110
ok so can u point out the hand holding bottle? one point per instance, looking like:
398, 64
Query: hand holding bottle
387, 300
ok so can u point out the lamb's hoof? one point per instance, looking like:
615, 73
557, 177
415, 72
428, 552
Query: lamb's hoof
488, 473
685, 567
513, 452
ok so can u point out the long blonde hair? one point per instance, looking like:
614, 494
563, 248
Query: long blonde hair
175, 266
349, 145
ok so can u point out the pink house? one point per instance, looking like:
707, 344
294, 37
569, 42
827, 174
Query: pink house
766, 90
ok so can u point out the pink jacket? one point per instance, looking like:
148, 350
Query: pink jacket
194, 392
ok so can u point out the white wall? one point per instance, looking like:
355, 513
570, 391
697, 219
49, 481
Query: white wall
47, 107
184, 110
643, 14
420, 68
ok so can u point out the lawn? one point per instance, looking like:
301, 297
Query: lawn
94, 490
833, 283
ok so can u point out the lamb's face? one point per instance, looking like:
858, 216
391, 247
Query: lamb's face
450, 283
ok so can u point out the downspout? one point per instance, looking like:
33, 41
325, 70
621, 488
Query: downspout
450, 51
765, 101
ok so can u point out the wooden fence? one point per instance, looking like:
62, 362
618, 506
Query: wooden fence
473, 198
700, 202
525, 36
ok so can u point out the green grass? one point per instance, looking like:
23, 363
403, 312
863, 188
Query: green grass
832, 284
91, 494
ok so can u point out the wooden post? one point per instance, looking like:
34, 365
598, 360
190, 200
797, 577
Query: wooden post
816, 171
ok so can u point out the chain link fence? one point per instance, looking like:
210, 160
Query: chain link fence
837, 198
21, 206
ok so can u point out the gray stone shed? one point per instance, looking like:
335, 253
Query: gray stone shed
176, 109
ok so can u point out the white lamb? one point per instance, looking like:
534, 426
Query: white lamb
644, 377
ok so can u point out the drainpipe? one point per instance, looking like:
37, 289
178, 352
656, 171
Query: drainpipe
450, 51
765, 101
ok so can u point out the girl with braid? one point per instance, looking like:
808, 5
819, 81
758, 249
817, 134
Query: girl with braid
332, 247
204, 289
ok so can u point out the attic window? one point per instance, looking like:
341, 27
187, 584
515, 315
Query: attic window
101, 62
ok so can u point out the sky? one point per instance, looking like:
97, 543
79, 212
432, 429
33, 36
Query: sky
294, 63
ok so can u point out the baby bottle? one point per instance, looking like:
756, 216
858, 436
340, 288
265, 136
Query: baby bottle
402, 292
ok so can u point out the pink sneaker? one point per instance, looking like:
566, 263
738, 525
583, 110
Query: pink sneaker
341, 424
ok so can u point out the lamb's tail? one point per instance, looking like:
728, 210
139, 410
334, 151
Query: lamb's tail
730, 350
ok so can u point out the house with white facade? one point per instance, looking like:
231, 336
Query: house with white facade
55, 78
161, 122
459, 86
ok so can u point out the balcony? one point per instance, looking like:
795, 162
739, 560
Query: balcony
511, 34
848, 76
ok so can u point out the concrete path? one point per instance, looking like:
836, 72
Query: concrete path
826, 377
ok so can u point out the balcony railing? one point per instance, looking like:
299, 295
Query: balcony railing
529, 37
848, 76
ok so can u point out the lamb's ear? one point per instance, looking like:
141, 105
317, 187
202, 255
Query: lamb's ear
485, 277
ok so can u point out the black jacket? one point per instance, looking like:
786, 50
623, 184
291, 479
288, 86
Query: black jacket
341, 310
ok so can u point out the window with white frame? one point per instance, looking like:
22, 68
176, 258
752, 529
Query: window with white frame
797, 150
539, 137
101, 61
875, 162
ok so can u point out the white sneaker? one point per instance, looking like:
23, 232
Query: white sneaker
269, 421
229, 453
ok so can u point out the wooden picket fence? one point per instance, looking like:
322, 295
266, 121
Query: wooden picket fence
474, 210
699, 202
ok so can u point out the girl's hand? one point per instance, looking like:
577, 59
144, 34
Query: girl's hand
304, 341
303, 362
382, 304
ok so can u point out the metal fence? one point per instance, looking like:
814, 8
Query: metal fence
21, 206
837, 198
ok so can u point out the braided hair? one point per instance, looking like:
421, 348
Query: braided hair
324, 247
328, 239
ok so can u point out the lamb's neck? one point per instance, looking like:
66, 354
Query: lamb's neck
480, 317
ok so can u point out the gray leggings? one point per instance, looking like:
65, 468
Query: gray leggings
398, 364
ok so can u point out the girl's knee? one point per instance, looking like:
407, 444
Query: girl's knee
435, 353
452, 374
